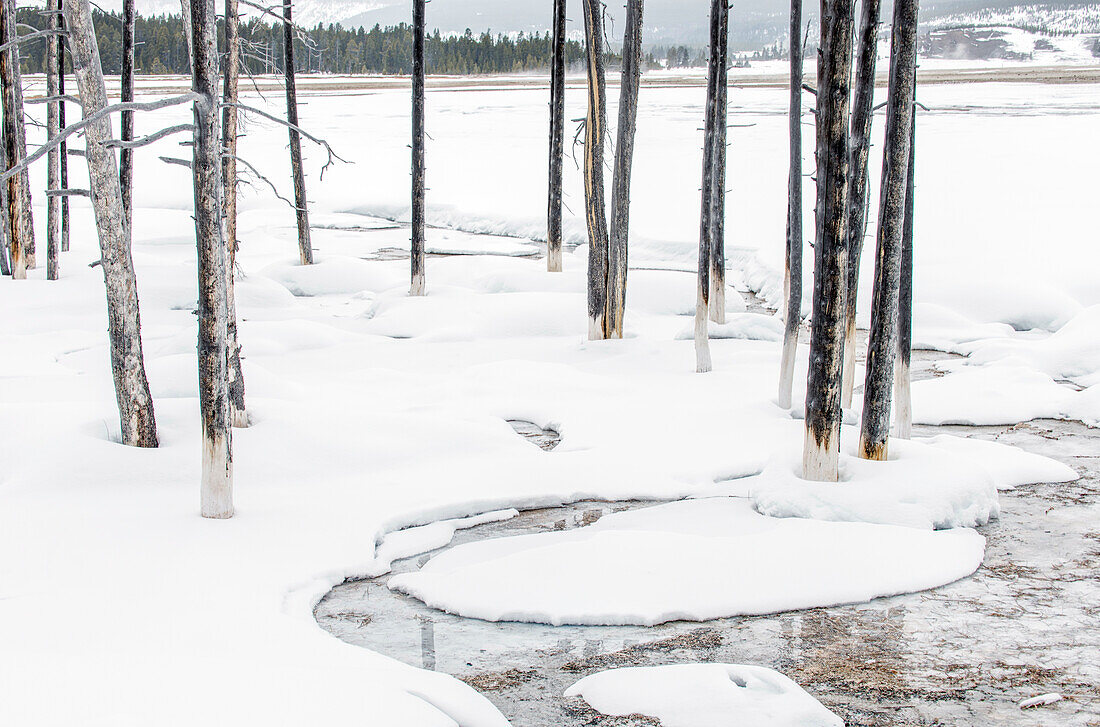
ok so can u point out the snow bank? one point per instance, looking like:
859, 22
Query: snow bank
704, 695
691, 560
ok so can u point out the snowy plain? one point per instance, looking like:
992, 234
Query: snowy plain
374, 412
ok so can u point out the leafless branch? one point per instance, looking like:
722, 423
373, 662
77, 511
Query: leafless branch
146, 140
256, 172
320, 142
31, 36
179, 162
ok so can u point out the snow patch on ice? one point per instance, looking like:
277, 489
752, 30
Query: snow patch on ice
704, 695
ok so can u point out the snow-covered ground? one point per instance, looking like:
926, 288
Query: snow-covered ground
373, 411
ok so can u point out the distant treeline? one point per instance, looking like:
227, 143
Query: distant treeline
161, 48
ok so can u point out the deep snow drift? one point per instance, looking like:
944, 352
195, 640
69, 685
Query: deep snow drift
373, 411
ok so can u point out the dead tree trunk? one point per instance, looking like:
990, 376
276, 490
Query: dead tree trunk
707, 189
903, 398
717, 302
64, 148
135, 404
20, 234
217, 452
237, 411
5, 226
618, 245
792, 270
126, 156
53, 203
882, 346
862, 114
557, 134
821, 452
595, 129
301, 205
416, 253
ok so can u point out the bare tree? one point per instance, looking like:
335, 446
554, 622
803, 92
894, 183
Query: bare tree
305, 247
903, 397
237, 409
707, 191
135, 404
20, 233
618, 246
882, 346
217, 452
557, 134
64, 147
717, 298
416, 255
821, 451
792, 269
53, 128
595, 130
862, 114
126, 155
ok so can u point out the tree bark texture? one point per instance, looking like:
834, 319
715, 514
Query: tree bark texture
135, 404
5, 217
619, 237
557, 140
595, 131
237, 411
792, 269
301, 205
862, 114
882, 346
821, 452
903, 398
217, 453
53, 177
416, 255
707, 188
126, 156
64, 147
19, 233
717, 298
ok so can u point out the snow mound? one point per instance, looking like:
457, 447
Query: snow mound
749, 326
937, 483
334, 275
712, 558
704, 695
986, 395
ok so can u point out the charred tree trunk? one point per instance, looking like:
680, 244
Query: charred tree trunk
821, 453
903, 398
238, 414
792, 271
557, 134
126, 156
706, 207
217, 451
301, 205
19, 234
416, 254
595, 129
882, 347
64, 147
717, 303
862, 114
53, 181
618, 246
135, 404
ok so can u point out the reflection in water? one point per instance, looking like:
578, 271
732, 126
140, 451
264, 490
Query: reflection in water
965, 654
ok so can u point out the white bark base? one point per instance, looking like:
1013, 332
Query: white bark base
821, 464
848, 378
595, 329
19, 268
238, 418
717, 302
217, 478
553, 261
418, 287
786, 372
702, 337
903, 401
